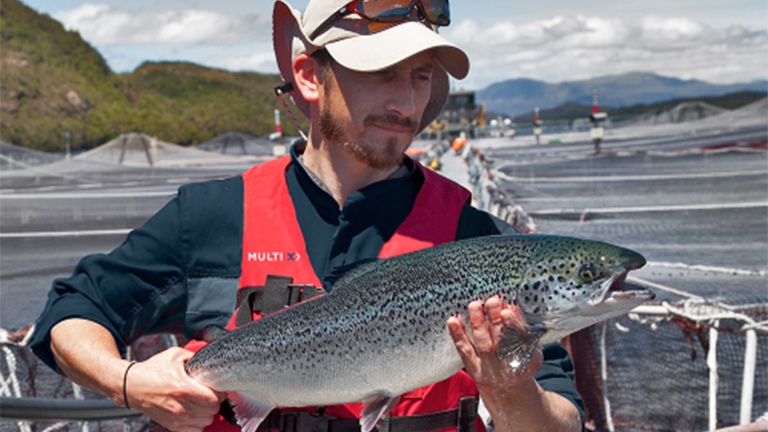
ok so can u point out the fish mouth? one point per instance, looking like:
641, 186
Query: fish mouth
620, 289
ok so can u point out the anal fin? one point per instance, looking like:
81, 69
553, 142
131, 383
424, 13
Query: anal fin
249, 411
376, 409
516, 346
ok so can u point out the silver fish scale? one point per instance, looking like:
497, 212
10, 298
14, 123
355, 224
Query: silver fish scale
383, 329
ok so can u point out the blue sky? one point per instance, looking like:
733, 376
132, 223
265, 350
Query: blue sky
721, 41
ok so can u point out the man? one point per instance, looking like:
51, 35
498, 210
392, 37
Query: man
344, 196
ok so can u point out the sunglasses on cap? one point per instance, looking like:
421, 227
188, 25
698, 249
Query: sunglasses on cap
435, 12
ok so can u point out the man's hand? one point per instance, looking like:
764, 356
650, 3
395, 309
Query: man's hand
478, 350
160, 388
515, 401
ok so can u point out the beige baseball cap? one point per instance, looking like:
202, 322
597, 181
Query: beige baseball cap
360, 45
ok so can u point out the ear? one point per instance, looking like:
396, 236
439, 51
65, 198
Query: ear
306, 77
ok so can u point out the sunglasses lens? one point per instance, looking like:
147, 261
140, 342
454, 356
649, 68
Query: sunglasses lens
437, 11
384, 10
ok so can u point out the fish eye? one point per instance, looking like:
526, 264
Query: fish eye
589, 273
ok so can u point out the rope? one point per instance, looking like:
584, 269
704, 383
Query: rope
55, 426
662, 287
10, 360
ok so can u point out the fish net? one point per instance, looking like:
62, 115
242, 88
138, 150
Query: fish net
23, 375
697, 357
654, 372
679, 365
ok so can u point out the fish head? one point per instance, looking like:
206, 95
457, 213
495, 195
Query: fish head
570, 277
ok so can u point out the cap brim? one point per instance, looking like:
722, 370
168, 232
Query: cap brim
377, 51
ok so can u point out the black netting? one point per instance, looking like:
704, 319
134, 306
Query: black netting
700, 217
658, 378
24, 375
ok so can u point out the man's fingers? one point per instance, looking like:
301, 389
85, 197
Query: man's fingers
482, 337
201, 396
464, 345
513, 316
161, 388
197, 395
476, 315
493, 309
459, 334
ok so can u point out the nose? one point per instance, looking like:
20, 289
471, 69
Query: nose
402, 99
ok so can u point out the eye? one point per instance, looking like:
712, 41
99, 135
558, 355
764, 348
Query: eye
589, 273
423, 76
385, 74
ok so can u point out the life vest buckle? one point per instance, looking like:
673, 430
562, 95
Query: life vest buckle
276, 294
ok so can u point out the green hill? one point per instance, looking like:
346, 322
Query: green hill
54, 82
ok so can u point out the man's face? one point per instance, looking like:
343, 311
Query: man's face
374, 116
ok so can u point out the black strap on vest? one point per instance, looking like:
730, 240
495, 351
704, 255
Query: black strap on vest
461, 418
276, 294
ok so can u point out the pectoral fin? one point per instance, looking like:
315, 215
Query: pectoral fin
516, 345
376, 408
249, 411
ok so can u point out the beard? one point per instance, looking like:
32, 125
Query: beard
380, 156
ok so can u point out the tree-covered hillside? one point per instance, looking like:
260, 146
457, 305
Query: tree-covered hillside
53, 82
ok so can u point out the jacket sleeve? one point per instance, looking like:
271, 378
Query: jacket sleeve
174, 274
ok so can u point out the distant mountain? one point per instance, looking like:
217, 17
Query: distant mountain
520, 96
572, 111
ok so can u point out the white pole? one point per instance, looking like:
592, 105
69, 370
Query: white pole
713, 378
747, 387
604, 377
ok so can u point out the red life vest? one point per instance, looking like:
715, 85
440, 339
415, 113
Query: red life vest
273, 244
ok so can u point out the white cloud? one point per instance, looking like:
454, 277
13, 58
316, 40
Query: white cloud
569, 48
263, 61
561, 48
105, 25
